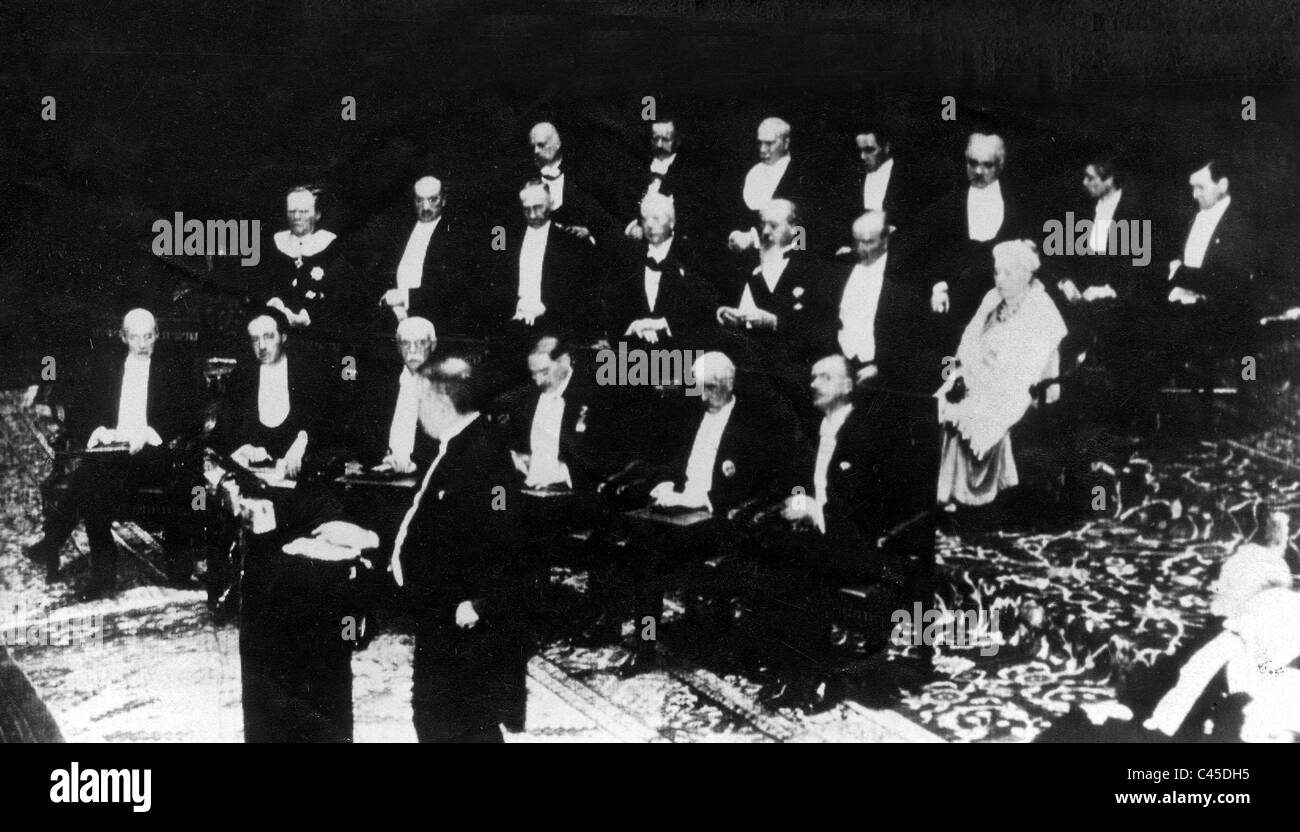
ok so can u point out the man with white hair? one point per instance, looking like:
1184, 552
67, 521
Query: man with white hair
416, 267
739, 454
958, 233
775, 176
661, 303
133, 405
387, 435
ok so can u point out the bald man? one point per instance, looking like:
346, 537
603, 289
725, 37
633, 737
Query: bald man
138, 399
416, 264
957, 235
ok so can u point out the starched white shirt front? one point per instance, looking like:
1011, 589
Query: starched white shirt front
704, 453
985, 211
544, 466
406, 416
828, 438
858, 307
133, 402
874, 186
531, 254
410, 270
1102, 217
771, 268
761, 182
273, 393
1198, 239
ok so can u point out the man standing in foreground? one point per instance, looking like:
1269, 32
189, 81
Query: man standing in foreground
459, 554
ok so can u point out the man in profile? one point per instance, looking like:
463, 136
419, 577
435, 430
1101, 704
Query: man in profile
459, 556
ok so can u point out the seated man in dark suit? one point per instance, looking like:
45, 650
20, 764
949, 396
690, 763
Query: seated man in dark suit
275, 410
661, 302
862, 515
1211, 288
273, 422
959, 231
544, 277
459, 554
142, 399
387, 434
556, 427
417, 267
737, 456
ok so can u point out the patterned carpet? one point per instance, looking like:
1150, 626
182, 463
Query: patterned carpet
1077, 606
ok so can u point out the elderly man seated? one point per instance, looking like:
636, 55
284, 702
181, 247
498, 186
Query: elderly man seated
1009, 344
739, 454
135, 407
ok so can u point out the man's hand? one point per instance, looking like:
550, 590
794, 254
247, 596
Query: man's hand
662, 492
939, 299
1071, 292
528, 312
395, 297
466, 617
579, 231
633, 231
293, 460
250, 454
521, 461
1174, 265
1185, 296
1095, 293
843, 250
400, 464
101, 436
867, 373
730, 316
761, 319
740, 240
648, 329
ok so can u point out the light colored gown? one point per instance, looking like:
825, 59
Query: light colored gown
1003, 352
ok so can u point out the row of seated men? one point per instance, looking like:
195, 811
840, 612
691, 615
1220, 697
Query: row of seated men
658, 478
601, 269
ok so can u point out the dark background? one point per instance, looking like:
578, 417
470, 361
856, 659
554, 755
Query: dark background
215, 108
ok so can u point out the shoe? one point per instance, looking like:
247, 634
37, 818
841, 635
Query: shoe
641, 661
43, 553
97, 589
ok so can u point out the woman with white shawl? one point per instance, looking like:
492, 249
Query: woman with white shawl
1011, 343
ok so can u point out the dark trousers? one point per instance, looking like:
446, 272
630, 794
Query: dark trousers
655, 552
99, 490
467, 682
297, 622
